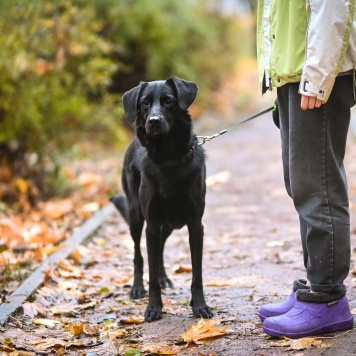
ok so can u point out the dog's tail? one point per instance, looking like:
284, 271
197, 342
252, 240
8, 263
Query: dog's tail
120, 202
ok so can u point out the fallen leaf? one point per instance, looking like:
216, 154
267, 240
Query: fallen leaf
159, 349
91, 330
76, 256
99, 241
132, 352
53, 342
297, 344
220, 283
120, 333
76, 329
61, 351
58, 208
204, 329
66, 270
48, 250
6, 349
90, 207
32, 309
46, 322
70, 308
104, 290
183, 269
133, 320
275, 244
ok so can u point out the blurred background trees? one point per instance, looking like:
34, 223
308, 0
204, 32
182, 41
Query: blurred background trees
65, 64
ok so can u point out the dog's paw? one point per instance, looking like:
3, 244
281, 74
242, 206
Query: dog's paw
203, 312
137, 292
153, 313
165, 282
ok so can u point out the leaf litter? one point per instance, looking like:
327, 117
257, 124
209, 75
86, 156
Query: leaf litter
84, 302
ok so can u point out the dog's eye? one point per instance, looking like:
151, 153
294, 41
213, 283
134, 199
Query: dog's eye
168, 101
145, 102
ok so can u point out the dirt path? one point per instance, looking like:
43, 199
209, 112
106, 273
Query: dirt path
252, 254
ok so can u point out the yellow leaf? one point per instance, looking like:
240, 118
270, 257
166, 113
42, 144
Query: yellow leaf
220, 283
48, 250
117, 333
133, 320
76, 329
204, 329
183, 269
46, 322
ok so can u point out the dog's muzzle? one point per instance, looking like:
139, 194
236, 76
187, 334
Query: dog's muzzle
156, 125
154, 120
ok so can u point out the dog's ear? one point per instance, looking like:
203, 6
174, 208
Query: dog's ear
130, 100
186, 91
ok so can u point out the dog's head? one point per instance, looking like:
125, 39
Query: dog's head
158, 105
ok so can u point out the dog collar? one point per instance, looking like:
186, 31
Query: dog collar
186, 158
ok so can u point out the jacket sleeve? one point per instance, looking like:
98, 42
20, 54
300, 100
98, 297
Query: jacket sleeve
327, 38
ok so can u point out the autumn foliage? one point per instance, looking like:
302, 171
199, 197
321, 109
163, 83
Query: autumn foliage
65, 64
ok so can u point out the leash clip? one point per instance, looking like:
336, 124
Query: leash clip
209, 138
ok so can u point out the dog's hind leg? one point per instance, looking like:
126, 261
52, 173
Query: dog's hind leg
131, 212
198, 304
164, 281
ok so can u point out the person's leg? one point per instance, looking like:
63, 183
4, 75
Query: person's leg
275, 309
284, 117
317, 142
313, 149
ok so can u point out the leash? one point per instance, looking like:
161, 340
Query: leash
209, 138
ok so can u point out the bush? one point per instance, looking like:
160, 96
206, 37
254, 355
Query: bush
54, 71
53, 64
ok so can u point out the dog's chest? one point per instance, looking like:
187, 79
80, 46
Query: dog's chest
171, 198
170, 186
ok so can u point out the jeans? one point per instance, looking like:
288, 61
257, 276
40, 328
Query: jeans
313, 150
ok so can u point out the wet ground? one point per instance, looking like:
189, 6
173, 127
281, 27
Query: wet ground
252, 254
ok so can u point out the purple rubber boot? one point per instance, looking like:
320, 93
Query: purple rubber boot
276, 309
309, 319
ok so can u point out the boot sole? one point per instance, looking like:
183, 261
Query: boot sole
335, 327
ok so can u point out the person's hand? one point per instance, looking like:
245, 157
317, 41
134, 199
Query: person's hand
310, 102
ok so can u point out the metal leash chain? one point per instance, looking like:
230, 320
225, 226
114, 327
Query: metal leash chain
209, 138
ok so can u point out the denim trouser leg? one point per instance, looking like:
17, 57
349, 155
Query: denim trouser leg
313, 150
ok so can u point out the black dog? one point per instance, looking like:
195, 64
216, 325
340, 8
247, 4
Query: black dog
164, 181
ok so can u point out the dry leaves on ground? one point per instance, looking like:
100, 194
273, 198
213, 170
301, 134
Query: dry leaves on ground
299, 344
204, 329
28, 236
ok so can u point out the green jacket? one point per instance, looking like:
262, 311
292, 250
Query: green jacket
306, 41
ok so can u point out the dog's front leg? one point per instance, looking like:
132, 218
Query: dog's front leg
153, 240
198, 304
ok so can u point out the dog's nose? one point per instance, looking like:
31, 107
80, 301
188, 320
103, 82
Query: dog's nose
154, 120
